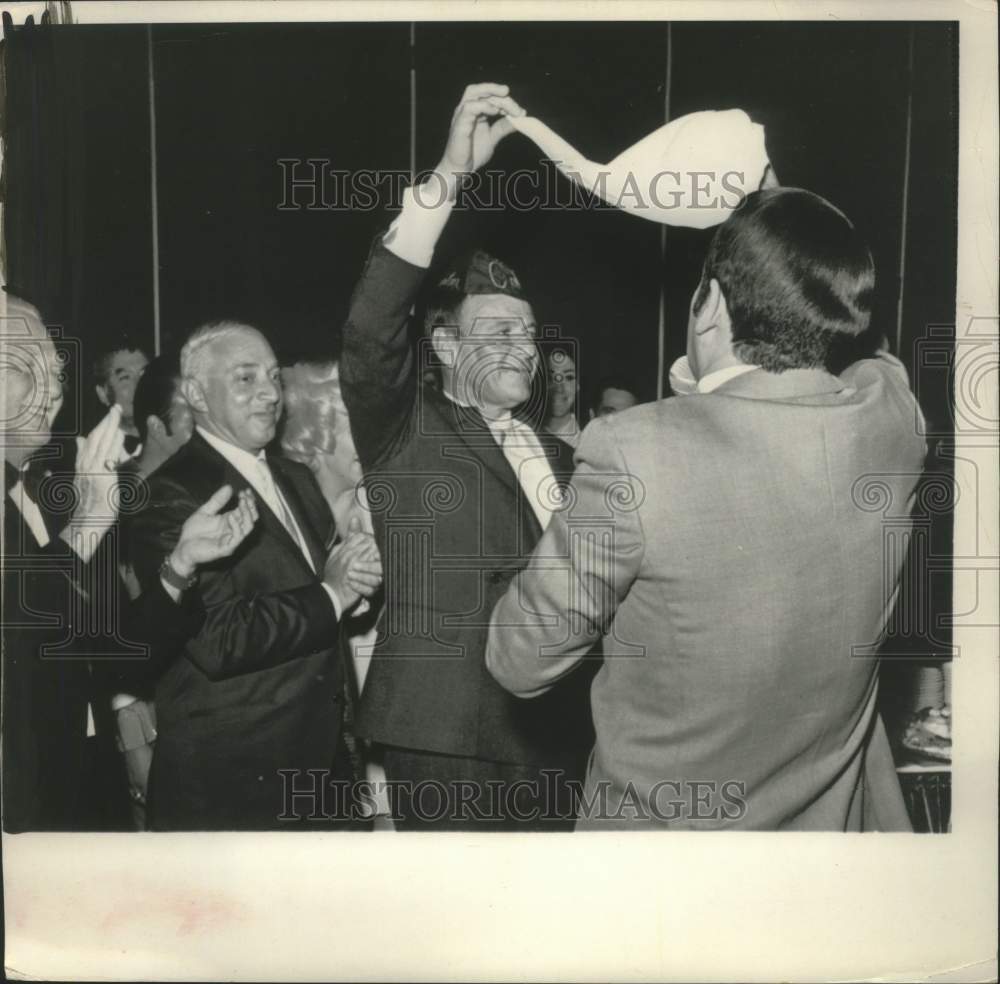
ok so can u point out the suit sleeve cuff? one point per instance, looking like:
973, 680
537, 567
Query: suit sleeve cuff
415, 231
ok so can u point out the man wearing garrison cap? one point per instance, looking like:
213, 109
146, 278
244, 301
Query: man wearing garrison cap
460, 489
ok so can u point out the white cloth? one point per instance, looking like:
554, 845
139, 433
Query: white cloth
255, 469
524, 452
693, 171
683, 383
415, 231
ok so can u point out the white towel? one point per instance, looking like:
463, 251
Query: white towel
693, 171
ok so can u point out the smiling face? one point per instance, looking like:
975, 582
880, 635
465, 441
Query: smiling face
123, 371
238, 394
493, 358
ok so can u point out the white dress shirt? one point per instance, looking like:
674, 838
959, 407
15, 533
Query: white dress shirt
415, 231
683, 383
524, 452
255, 469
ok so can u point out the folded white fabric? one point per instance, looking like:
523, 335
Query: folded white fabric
693, 171
682, 380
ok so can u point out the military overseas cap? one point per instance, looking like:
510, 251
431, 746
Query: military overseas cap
480, 273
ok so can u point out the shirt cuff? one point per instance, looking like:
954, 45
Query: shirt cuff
415, 231
172, 592
334, 600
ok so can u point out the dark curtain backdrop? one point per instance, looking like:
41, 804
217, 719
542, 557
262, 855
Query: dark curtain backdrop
77, 222
232, 100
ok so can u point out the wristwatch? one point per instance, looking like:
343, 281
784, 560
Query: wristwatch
175, 580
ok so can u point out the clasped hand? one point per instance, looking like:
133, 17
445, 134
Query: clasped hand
479, 123
354, 567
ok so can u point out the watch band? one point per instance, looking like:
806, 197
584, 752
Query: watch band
175, 580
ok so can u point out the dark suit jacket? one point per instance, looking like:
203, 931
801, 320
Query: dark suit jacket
453, 525
259, 687
51, 605
748, 572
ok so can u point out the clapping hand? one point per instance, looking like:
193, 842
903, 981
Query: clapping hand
479, 123
98, 456
354, 568
210, 535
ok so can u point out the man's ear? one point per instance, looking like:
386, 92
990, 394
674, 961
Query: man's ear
591, 413
713, 312
195, 395
103, 395
444, 339
155, 427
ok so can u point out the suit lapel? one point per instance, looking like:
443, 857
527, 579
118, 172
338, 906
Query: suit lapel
560, 455
471, 427
268, 521
297, 499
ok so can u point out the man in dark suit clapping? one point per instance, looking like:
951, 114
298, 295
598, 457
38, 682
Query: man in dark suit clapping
56, 589
250, 712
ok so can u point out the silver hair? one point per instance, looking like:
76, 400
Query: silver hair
24, 340
196, 350
22, 322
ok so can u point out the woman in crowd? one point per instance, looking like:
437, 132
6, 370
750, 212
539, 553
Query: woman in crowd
316, 432
561, 415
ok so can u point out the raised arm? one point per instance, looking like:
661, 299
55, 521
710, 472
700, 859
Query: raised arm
377, 368
563, 602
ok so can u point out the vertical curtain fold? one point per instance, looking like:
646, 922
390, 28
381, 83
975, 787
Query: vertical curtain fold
45, 170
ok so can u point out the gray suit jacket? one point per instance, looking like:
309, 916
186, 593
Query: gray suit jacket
736, 549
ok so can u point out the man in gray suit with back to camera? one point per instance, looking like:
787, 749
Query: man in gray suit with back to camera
739, 575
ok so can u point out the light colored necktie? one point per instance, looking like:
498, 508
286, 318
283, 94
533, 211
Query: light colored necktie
277, 504
531, 466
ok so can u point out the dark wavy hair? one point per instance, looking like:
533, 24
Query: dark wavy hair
154, 393
797, 277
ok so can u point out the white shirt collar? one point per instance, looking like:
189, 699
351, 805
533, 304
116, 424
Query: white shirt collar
714, 380
504, 421
245, 462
